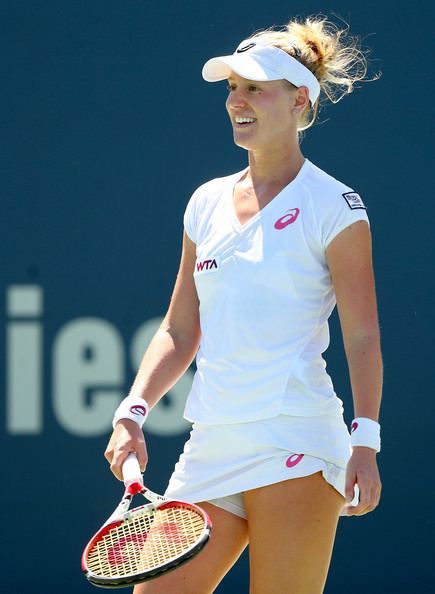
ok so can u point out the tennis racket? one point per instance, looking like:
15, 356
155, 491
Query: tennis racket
136, 545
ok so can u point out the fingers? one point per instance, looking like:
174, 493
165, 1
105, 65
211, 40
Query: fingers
351, 481
362, 472
369, 496
127, 437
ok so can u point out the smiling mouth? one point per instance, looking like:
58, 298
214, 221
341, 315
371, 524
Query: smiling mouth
244, 121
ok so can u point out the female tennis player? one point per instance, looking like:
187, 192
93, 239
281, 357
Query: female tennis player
267, 253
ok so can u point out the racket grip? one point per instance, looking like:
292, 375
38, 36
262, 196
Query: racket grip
131, 472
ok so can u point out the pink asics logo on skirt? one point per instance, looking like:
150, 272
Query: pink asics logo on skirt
293, 460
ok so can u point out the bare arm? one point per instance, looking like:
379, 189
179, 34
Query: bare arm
350, 263
169, 354
174, 345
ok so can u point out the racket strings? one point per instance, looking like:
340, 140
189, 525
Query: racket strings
146, 542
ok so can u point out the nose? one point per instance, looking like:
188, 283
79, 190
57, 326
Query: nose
236, 99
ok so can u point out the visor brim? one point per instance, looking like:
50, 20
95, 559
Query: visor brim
221, 68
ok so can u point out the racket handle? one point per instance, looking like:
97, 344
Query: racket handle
131, 472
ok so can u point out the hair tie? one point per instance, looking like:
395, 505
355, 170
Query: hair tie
312, 45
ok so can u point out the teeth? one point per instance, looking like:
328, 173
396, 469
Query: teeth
244, 120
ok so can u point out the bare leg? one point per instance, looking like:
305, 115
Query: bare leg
292, 527
202, 574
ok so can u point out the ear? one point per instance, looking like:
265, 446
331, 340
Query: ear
301, 99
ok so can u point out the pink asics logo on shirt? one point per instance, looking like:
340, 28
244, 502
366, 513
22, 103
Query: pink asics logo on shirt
206, 265
289, 218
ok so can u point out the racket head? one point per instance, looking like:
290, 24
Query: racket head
145, 542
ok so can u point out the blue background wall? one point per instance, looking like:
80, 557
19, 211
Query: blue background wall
106, 130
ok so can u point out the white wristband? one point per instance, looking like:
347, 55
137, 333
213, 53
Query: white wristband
133, 408
365, 432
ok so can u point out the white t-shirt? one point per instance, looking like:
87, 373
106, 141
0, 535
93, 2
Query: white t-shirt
265, 297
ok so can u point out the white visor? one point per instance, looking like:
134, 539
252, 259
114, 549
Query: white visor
255, 61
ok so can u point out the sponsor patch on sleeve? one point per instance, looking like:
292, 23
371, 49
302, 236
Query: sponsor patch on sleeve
353, 200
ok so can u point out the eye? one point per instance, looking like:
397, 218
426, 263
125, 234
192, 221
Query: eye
231, 87
253, 89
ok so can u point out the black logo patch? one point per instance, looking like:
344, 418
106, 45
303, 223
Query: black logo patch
354, 201
245, 48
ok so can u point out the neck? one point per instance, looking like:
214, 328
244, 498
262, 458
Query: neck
275, 166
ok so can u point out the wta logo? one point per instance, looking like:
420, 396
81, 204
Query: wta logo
289, 218
354, 427
138, 409
206, 265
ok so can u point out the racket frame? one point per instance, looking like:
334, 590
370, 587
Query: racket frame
122, 514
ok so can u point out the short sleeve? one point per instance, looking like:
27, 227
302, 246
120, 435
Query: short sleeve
190, 217
341, 211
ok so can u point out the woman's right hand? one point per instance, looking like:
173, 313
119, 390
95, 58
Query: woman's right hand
126, 437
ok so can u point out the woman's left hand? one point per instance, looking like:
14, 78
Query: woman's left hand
362, 470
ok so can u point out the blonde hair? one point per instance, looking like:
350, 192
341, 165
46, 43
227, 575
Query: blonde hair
332, 54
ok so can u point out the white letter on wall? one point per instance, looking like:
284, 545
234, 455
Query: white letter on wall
24, 360
88, 362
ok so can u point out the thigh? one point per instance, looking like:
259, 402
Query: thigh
292, 527
203, 573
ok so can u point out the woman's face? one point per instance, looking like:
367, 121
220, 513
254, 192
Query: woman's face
263, 114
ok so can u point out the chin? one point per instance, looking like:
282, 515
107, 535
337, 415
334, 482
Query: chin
243, 143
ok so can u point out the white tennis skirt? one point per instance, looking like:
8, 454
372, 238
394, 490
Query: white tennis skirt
224, 460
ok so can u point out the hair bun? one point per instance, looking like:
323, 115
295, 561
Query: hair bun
331, 53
